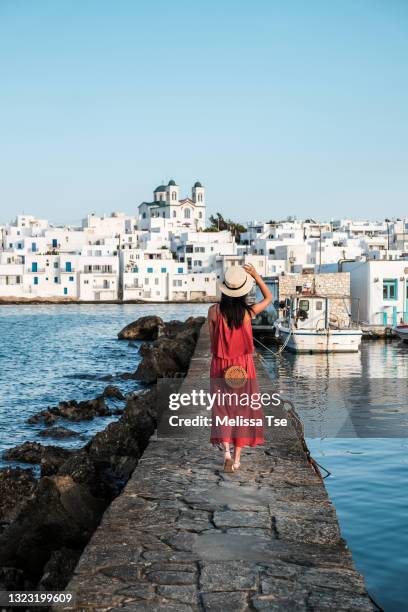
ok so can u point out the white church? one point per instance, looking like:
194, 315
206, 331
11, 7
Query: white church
168, 210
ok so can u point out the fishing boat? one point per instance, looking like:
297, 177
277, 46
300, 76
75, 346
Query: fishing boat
309, 324
401, 331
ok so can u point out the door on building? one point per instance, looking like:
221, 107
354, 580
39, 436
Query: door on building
406, 302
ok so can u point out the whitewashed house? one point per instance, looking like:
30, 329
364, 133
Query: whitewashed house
200, 249
97, 272
379, 290
146, 275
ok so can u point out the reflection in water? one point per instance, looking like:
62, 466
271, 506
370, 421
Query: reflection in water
360, 401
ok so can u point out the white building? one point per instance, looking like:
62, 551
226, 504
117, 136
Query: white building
187, 212
379, 291
156, 276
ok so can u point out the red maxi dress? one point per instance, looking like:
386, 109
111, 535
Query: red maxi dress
234, 347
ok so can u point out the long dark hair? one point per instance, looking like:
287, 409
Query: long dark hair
233, 309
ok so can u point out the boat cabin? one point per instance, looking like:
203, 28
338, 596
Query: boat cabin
308, 312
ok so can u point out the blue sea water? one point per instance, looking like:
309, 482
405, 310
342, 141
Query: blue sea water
50, 353
364, 447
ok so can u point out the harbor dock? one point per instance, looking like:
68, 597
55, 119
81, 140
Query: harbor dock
184, 536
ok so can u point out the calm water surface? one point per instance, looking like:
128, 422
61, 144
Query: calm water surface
365, 447
50, 353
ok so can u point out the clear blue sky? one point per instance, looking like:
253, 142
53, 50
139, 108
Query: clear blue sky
297, 107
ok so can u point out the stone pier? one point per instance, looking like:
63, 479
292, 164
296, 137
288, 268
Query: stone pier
183, 536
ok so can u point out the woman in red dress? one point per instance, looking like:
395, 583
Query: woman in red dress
232, 345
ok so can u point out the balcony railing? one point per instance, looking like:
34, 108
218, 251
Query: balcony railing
111, 272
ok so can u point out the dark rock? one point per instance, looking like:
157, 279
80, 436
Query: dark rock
128, 437
58, 569
16, 486
48, 417
107, 377
80, 467
13, 578
172, 328
58, 432
114, 392
125, 375
170, 354
49, 457
145, 328
105, 464
156, 363
78, 411
73, 411
59, 513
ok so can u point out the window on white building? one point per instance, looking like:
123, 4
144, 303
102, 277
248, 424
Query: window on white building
187, 213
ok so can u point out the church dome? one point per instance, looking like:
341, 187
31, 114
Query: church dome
172, 183
197, 184
160, 188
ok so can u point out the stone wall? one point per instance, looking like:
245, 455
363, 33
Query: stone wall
335, 285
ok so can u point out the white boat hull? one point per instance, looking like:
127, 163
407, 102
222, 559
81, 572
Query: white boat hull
311, 341
401, 332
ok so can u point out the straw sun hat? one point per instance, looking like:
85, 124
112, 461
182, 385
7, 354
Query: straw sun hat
236, 282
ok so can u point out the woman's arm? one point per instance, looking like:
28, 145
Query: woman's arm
211, 320
267, 295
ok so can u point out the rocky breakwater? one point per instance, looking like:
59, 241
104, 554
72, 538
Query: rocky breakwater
46, 522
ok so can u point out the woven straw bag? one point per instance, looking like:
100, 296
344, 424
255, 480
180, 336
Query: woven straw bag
235, 376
